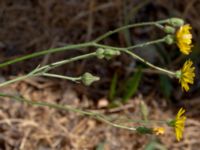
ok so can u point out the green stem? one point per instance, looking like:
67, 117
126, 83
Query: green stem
82, 45
40, 70
125, 120
116, 125
67, 108
62, 77
15, 80
170, 73
154, 23
50, 105
53, 50
146, 44
62, 62
131, 47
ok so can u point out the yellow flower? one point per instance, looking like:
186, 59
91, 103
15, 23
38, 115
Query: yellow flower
179, 123
159, 130
184, 39
186, 75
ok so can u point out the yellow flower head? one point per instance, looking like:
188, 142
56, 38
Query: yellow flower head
186, 75
159, 130
184, 39
179, 123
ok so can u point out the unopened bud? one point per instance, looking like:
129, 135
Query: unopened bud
144, 130
169, 30
171, 123
169, 39
109, 53
176, 22
100, 53
88, 78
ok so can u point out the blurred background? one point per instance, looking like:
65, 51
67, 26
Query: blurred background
28, 26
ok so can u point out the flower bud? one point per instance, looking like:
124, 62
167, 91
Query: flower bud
169, 39
109, 53
171, 123
176, 22
144, 130
100, 53
88, 78
169, 30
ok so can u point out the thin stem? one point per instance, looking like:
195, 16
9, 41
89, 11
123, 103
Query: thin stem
50, 105
15, 80
107, 46
52, 50
170, 73
131, 47
82, 45
154, 23
62, 77
40, 70
125, 119
62, 62
146, 44
116, 125
67, 108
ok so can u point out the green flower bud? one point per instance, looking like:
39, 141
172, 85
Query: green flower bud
178, 74
169, 39
171, 123
176, 22
144, 130
169, 29
109, 53
88, 78
100, 53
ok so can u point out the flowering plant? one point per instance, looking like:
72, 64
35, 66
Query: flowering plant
176, 32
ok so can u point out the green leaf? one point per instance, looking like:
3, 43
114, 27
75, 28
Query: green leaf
166, 86
131, 86
113, 87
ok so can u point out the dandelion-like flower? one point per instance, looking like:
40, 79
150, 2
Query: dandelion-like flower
159, 130
186, 75
179, 123
184, 39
